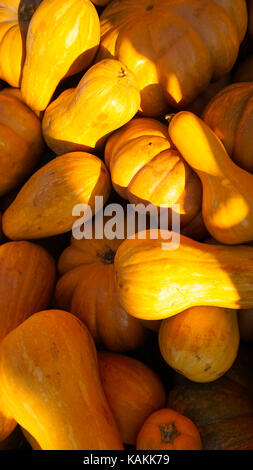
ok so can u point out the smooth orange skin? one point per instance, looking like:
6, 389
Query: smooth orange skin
174, 48
155, 283
230, 116
152, 435
244, 73
106, 98
27, 278
62, 40
193, 345
21, 142
145, 168
133, 392
50, 384
227, 206
44, 205
11, 46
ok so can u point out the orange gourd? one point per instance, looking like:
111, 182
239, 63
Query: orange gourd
168, 430
44, 205
230, 116
201, 343
47, 365
11, 46
155, 283
106, 98
146, 168
174, 48
133, 392
62, 40
21, 142
227, 205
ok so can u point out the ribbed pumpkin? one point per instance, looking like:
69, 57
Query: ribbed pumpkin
133, 392
87, 289
44, 205
227, 205
230, 116
201, 343
173, 48
62, 40
50, 384
21, 142
27, 277
146, 168
155, 282
168, 430
106, 98
11, 46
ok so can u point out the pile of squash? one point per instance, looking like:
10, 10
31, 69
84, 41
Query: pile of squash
112, 344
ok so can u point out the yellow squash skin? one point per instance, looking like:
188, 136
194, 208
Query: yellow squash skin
201, 343
174, 48
154, 283
44, 205
11, 46
106, 98
146, 168
227, 205
62, 40
50, 384
230, 116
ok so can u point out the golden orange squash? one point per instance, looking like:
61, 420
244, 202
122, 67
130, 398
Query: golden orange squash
21, 142
50, 384
173, 48
145, 168
167, 429
44, 205
62, 40
227, 205
230, 116
106, 98
11, 46
201, 343
133, 392
154, 282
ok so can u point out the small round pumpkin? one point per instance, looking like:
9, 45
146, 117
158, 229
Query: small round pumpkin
168, 430
230, 116
133, 392
201, 343
173, 48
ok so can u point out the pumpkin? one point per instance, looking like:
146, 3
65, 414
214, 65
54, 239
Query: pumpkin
62, 40
133, 392
11, 46
50, 347
230, 116
227, 206
44, 205
146, 168
244, 73
21, 141
87, 289
173, 48
245, 318
155, 281
168, 430
82, 118
193, 344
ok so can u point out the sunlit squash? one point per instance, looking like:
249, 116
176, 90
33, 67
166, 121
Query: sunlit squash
167, 429
87, 289
230, 116
244, 73
201, 343
146, 168
173, 48
11, 46
133, 392
50, 384
155, 281
21, 142
62, 40
227, 205
106, 98
44, 205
